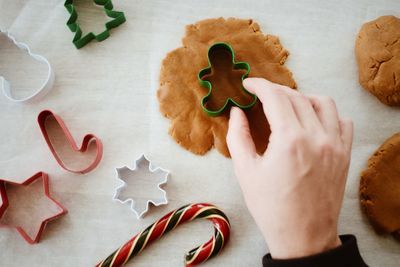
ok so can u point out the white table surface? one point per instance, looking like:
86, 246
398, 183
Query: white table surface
109, 89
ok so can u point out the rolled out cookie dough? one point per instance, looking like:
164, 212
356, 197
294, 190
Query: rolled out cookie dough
180, 94
378, 57
380, 187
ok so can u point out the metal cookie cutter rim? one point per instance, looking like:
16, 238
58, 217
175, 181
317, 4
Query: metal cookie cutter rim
5, 204
153, 169
43, 89
80, 41
208, 85
84, 146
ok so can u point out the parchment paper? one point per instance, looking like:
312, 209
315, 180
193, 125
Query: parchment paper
109, 89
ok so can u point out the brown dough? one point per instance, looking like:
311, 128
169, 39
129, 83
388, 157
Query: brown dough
378, 57
380, 187
180, 94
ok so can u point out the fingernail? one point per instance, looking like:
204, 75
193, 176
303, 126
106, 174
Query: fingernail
248, 81
233, 110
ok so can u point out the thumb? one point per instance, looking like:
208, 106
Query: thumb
239, 140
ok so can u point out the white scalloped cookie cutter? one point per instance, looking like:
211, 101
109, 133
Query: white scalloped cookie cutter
125, 173
43, 89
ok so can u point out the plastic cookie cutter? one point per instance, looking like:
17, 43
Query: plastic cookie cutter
169, 222
151, 176
5, 204
80, 41
44, 116
215, 49
43, 89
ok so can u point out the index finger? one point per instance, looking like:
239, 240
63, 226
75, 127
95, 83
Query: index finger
276, 103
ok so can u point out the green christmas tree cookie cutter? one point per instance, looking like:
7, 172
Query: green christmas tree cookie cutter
208, 70
80, 41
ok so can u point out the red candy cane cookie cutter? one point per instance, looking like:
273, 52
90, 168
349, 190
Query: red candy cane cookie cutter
5, 205
44, 115
167, 223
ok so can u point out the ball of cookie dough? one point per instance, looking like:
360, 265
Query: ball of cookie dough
378, 58
380, 187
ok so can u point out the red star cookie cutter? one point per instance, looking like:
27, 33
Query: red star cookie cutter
44, 115
5, 204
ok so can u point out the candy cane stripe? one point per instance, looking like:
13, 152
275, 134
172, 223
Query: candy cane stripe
174, 219
193, 255
139, 244
181, 216
117, 253
219, 243
148, 236
213, 212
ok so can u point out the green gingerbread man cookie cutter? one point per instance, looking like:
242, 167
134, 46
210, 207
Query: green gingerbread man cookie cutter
80, 41
208, 70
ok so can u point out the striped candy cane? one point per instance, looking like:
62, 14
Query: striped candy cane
184, 214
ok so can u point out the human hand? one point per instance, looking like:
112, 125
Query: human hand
295, 190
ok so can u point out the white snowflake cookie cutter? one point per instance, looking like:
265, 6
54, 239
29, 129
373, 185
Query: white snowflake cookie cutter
139, 209
46, 86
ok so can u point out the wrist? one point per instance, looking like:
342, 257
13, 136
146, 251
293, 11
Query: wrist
298, 246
